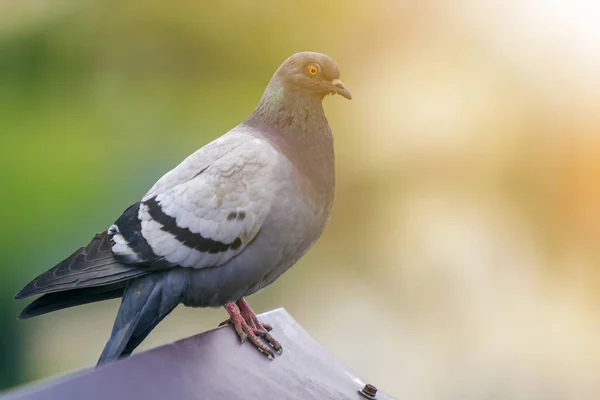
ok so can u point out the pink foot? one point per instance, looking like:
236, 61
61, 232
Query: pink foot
248, 327
250, 316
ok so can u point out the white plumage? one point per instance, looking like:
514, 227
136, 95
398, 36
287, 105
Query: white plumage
222, 192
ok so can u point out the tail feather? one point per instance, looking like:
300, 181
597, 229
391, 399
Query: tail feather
90, 266
60, 300
146, 301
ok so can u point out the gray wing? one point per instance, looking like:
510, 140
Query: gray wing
202, 213
90, 266
206, 210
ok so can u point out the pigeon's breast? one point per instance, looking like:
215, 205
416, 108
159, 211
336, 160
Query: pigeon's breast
294, 223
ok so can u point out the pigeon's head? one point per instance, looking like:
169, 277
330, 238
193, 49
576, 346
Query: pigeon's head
313, 74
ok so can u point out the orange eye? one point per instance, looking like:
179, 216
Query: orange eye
312, 70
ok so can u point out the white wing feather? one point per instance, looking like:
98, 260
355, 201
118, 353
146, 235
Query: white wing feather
233, 174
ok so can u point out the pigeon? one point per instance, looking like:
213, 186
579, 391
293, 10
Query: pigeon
223, 224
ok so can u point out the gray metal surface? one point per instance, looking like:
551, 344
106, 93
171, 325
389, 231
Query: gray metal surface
214, 365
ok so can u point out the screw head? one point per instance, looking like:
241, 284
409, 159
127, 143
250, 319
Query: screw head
368, 391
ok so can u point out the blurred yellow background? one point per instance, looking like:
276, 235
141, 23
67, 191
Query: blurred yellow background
461, 260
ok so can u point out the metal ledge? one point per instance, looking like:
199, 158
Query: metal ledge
214, 365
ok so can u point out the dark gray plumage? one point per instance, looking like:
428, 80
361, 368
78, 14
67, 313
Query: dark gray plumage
227, 221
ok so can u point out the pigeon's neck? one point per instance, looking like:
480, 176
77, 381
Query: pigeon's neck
282, 109
295, 123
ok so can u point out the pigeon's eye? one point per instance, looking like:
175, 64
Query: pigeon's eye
312, 70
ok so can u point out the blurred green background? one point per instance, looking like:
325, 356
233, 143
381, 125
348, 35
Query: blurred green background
461, 260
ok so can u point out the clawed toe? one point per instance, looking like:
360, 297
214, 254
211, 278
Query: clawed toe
271, 341
249, 328
267, 327
261, 346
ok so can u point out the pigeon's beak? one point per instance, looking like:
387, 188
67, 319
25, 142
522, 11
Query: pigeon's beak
341, 89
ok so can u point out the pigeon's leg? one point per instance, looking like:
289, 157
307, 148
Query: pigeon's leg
250, 316
262, 329
247, 332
